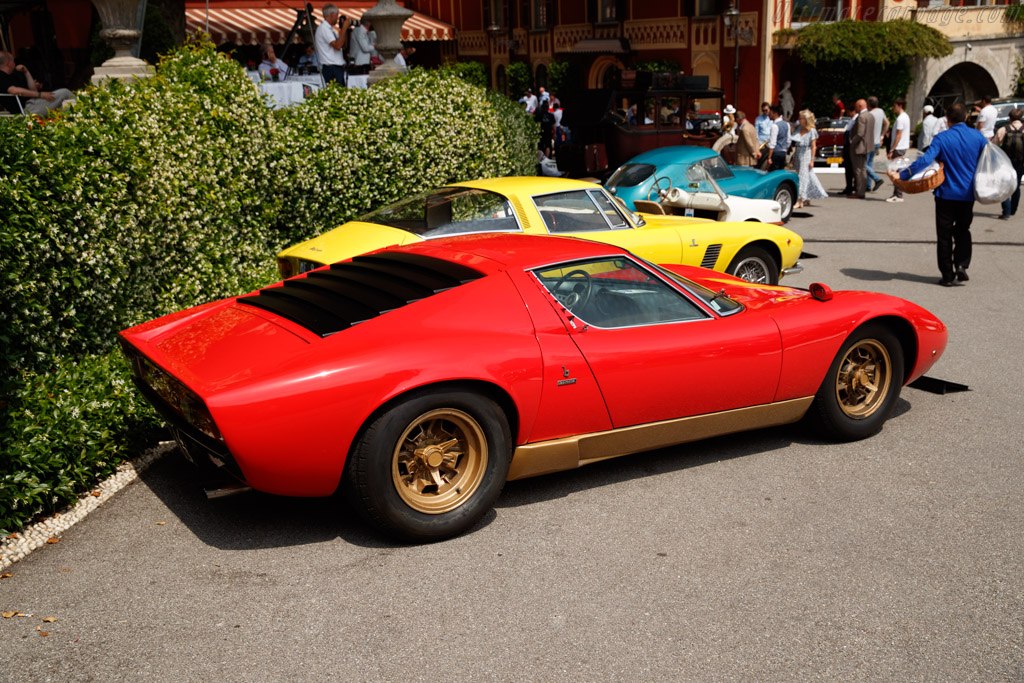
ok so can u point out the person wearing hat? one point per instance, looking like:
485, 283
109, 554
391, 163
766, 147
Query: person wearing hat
924, 138
728, 129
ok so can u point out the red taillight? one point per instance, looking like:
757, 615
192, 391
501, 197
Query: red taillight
284, 267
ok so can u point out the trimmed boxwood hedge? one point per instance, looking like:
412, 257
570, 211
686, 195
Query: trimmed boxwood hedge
148, 197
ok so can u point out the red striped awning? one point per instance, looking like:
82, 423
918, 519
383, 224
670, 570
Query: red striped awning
253, 22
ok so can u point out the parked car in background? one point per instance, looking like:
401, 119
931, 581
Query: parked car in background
702, 197
556, 206
830, 140
420, 378
1003, 107
637, 177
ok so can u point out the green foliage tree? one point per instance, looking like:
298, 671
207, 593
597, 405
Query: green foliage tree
473, 73
659, 66
558, 76
1018, 83
156, 195
858, 58
519, 78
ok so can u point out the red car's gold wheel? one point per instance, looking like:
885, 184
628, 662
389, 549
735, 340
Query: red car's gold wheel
439, 461
862, 382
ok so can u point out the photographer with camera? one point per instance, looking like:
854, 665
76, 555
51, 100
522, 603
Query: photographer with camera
360, 50
330, 45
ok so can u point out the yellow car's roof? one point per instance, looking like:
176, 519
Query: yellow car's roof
526, 185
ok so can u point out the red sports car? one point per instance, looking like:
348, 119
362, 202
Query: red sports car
421, 378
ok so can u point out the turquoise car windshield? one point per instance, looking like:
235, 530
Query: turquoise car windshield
630, 175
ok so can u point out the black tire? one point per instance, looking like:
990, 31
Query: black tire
861, 386
431, 466
754, 264
785, 194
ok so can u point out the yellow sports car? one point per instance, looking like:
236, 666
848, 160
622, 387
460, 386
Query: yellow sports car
758, 252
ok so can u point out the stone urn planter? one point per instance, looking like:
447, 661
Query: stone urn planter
387, 19
121, 31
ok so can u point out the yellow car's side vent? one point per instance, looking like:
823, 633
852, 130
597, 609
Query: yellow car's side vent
711, 256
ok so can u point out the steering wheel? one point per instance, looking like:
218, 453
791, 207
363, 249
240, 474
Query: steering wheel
657, 190
575, 298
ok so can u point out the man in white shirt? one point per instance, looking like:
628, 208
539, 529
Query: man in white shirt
900, 141
530, 100
928, 123
402, 58
329, 45
271, 63
361, 50
987, 117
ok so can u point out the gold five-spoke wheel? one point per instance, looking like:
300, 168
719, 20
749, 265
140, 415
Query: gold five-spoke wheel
862, 382
439, 461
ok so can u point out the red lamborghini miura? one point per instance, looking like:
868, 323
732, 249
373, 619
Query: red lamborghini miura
421, 378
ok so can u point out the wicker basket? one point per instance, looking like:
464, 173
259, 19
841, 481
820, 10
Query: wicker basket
929, 182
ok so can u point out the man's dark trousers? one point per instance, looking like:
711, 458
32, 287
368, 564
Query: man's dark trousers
953, 231
778, 161
848, 165
334, 73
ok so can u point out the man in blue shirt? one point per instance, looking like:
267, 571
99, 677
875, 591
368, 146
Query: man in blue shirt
958, 149
763, 124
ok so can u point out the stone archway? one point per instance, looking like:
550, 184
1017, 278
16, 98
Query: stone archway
600, 70
965, 83
987, 66
706, 64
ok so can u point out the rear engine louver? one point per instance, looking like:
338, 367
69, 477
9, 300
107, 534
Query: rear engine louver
351, 292
711, 256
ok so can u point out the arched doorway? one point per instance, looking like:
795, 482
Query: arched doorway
965, 83
541, 76
501, 80
602, 71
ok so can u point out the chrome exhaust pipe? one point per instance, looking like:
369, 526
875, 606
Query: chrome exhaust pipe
225, 491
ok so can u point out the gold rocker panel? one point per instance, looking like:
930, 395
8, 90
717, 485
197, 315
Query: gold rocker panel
571, 452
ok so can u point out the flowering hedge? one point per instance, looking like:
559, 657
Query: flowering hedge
148, 197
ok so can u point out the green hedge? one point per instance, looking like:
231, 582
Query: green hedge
149, 197
66, 429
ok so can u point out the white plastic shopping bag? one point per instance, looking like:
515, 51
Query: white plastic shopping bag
995, 179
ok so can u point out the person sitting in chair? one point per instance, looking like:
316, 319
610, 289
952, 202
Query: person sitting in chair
17, 80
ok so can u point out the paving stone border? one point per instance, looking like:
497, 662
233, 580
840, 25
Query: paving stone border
38, 534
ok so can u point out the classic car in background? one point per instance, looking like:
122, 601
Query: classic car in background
830, 140
636, 178
557, 206
420, 378
701, 197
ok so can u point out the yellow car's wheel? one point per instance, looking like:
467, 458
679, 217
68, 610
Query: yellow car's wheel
754, 264
862, 384
430, 466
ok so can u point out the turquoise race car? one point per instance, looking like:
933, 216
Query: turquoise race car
646, 175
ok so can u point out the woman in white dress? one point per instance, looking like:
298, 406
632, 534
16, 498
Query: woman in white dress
805, 139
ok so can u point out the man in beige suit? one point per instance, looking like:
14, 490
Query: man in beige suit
748, 147
861, 143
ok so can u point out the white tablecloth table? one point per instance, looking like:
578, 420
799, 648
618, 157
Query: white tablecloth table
292, 90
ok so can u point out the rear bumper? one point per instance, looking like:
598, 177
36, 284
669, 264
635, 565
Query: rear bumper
210, 456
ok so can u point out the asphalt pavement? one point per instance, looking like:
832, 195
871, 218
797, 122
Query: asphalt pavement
765, 556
